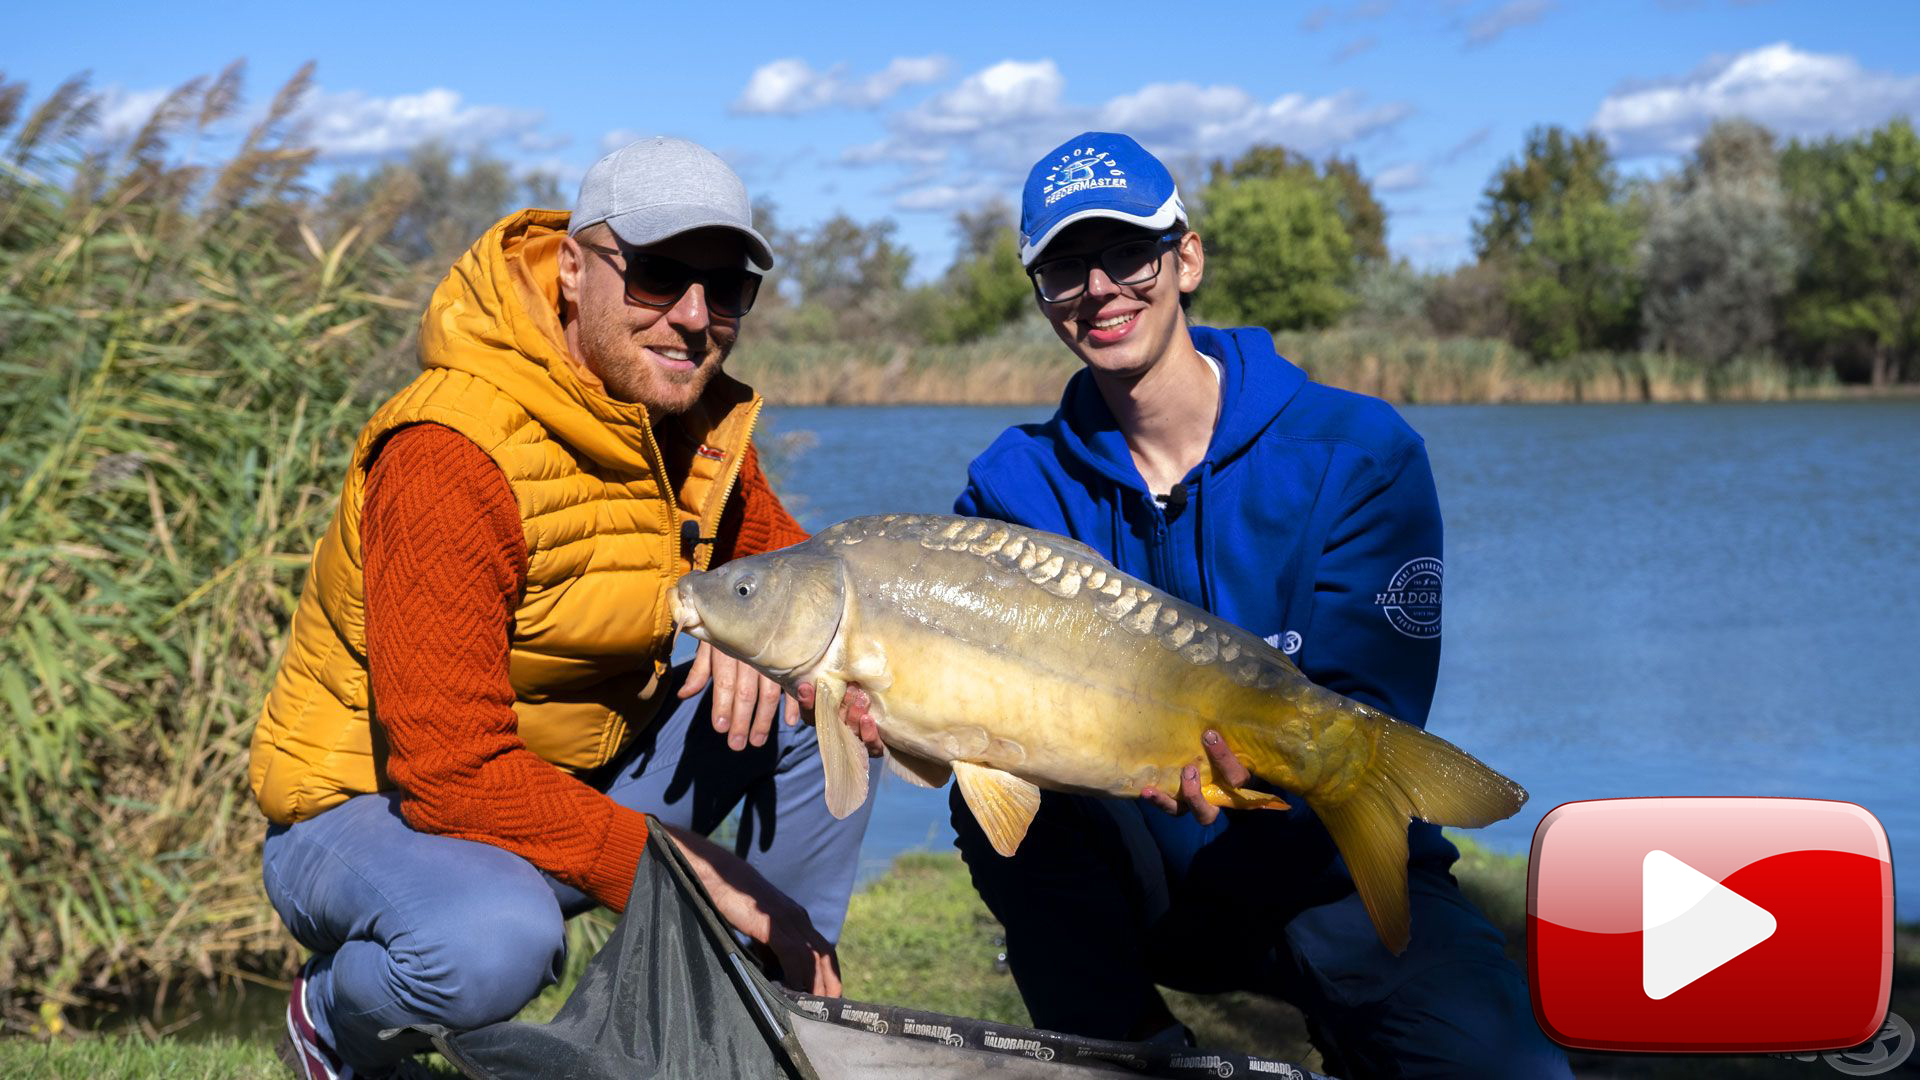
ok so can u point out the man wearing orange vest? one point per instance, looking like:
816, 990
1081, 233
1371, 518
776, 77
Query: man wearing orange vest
477, 704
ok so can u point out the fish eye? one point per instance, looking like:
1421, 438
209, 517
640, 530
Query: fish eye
743, 588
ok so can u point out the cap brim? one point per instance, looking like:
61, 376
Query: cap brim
641, 228
1170, 211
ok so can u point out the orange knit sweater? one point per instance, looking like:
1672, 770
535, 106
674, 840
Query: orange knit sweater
446, 562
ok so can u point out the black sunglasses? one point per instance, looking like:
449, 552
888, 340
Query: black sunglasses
656, 281
1129, 262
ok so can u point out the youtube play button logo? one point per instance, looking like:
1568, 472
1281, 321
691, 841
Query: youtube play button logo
1704, 924
1690, 924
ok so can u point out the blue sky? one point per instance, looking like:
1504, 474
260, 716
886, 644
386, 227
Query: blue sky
913, 111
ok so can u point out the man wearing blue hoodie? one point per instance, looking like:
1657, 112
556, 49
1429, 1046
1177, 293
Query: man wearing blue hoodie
1205, 463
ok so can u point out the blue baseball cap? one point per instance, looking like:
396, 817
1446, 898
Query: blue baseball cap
1096, 174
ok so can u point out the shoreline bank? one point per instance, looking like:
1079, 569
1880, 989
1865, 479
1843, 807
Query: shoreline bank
1402, 370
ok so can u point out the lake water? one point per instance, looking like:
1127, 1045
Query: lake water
1641, 600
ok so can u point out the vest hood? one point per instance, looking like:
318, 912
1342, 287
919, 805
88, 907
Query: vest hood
496, 317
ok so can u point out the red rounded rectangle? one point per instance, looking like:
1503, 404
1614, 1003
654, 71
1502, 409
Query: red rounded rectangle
1710, 925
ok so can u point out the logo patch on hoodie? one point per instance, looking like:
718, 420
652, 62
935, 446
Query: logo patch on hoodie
1412, 600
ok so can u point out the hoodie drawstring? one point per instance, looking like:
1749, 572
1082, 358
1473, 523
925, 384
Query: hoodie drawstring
1206, 536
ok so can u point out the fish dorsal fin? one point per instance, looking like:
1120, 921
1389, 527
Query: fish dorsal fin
1001, 802
842, 755
918, 771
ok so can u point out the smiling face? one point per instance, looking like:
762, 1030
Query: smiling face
1123, 330
662, 359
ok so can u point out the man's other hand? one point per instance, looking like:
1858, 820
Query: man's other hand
751, 905
744, 701
1226, 766
855, 712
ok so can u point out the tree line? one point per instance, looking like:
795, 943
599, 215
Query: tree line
1807, 253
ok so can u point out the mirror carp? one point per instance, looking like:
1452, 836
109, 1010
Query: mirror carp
1012, 659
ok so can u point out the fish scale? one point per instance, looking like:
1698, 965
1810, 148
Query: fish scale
1026, 551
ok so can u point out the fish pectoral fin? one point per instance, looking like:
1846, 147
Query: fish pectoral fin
842, 756
919, 771
1001, 802
1235, 798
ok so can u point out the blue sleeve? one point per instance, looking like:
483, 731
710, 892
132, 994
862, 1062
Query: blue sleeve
968, 504
1371, 636
976, 501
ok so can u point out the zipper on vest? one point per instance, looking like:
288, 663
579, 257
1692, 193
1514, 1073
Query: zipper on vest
716, 504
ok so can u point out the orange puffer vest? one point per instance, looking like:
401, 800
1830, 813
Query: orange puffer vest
592, 631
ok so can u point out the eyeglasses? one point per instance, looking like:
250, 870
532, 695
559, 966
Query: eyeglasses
1130, 262
656, 281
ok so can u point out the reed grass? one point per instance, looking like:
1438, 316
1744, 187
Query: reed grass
991, 372
182, 357
1020, 368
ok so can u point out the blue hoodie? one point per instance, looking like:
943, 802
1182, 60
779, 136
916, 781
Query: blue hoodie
1312, 521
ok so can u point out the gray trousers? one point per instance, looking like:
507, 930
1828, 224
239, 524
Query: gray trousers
415, 928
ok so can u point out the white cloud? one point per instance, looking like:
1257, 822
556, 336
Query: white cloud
886, 151
788, 86
900, 73
122, 112
949, 198
617, 138
1514, 13
1220, 121
978, 138
351, 125
1009, 92
793, 86
1405, 177
1788, 90
535, 141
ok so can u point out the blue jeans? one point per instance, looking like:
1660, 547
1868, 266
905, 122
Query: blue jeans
415, 928
1107, 897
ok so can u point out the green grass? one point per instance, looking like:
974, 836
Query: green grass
136, 1057
920, 936
132, 1056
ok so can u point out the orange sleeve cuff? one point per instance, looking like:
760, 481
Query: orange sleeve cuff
610, 877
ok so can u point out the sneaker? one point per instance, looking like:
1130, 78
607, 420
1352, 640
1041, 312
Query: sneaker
302, 1049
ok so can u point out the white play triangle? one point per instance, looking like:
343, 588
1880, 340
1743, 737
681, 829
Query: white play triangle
1691, 924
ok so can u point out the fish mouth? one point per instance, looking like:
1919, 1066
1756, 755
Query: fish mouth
686, 617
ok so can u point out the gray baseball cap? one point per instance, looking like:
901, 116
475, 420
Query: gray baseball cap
649, 190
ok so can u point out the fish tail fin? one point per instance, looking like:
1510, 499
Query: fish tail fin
1413, 775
